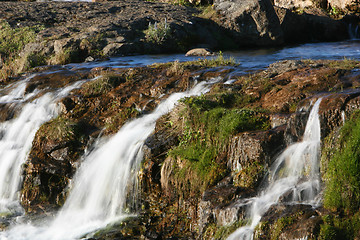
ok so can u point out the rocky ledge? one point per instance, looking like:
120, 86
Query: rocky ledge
40, 33
210, 151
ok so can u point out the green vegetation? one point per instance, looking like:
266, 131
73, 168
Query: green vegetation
335, 228
157, 32
179, 67
103, 84
115, 122
66, 56
208, 122
342, 176
280, 225
219, 60
60, 129
12, 41
221, 232
346, 63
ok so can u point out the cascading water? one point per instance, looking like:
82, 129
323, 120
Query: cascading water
354, 31
98, 195
17, 136
295, 171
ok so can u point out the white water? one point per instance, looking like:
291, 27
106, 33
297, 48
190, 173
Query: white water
17, 135
99, 192
295, 171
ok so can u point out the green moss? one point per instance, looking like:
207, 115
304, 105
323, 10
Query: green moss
60, 129
337, 228
103, 84
346, 63
342, 176
221, 232
280, 225
219, 60
67, 55
207, 128
116, 121
13, 40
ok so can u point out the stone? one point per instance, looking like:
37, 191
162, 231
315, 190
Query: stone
294, 4
309, 27
249, 147
113, 49
254, 22
277, 120
345, 5
199, 52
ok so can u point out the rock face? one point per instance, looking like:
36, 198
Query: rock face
345, 5
253, 21
170, 207
251, 154
304, 27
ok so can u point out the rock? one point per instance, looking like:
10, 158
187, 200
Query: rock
199, 52
112, 49
253, 22
251, 153
345, 5
218, 205
308, 27
285, 221
294, 4
278, 120
89, 59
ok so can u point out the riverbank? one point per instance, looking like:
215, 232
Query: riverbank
35, 33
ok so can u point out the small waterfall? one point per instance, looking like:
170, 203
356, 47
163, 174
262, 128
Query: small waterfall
98, 195
354, 31
16, 136
294, 172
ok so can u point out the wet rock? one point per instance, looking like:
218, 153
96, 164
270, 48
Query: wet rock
218, 205
278, 120
7, 111
253, 22
250, 154
286, 221
199, 52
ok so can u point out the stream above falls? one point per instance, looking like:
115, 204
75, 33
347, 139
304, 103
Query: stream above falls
249, 59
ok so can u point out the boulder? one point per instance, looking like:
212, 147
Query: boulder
251, 153
253, 22
309, 27
218, 205
345, 5
199, 52
294, 4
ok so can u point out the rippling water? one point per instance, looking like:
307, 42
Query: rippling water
249, 59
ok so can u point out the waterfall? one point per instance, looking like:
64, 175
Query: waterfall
16, 136
99, 189
295, 171
354, 31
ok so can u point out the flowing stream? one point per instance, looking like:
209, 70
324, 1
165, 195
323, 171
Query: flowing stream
294, 172
100, 186
16, 136
98, 195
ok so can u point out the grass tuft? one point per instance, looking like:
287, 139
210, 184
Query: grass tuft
342, 176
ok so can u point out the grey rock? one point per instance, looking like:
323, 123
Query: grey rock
254, 21
199, 52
